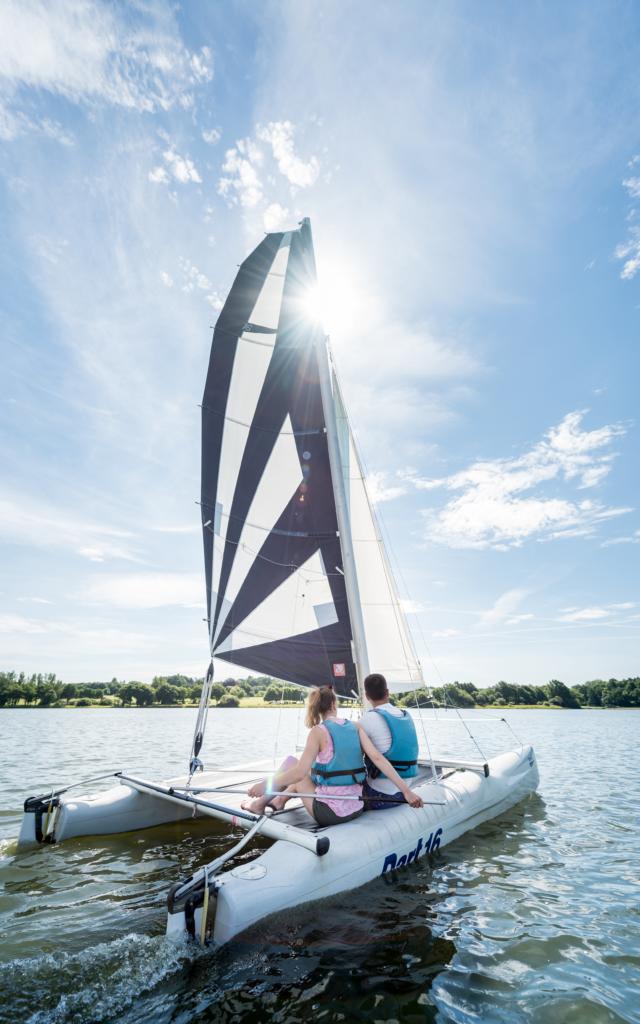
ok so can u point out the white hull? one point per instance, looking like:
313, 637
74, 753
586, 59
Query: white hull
379, 841
291, 871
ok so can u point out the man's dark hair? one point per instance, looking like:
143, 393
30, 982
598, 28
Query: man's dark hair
375, 686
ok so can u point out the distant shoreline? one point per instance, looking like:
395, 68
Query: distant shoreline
252, 706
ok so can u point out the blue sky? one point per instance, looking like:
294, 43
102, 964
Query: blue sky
473, 178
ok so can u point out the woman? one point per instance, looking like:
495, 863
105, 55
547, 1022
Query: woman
330, 772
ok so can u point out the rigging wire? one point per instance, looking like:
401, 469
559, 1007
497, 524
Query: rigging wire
378, 522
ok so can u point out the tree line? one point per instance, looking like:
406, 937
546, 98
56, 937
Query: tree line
46, 690
598, 693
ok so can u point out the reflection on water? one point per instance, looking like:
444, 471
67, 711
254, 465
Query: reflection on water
532, 917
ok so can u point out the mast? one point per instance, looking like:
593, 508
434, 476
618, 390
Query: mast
339, 490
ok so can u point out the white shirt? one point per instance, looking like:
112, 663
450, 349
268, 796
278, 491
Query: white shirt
380, 735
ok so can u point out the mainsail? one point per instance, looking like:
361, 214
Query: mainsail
277, 602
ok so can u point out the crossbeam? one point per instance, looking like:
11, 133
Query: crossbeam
472, 766
319, 845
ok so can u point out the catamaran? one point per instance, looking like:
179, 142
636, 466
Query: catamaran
299, 586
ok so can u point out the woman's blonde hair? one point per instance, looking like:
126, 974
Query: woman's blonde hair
320, 700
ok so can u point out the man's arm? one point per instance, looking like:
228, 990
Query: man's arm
387, 768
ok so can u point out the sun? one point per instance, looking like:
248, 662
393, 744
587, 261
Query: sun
335, 302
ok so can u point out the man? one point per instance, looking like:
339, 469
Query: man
392, 731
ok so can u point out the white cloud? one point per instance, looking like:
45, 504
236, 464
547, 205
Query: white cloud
380, 490
516, 619
623, 605
166, 279
280, 136
212, 136
633, 539
194, 280
629, 250
411, 607
504, 606
158, 175
36, 524
275, 217
13, 624
444, 633
147, 590
240, 181
632, 186
202, 65
585, 615
92, 53
491, 510
181, 168
245, 167
188, 528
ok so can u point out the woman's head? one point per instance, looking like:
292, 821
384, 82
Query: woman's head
321, 701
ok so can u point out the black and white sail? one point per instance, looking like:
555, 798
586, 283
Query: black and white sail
276, 595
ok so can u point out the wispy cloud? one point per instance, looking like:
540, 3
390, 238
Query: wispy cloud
251, 168
280, 135
504, 606
179, 168
629, 250
92, 53
595, 613
633, 538
38, 524
380, 489
585, 614
194, 281
491, 509
147, 590
211, 136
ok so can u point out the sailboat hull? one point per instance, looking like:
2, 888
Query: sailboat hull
372, 845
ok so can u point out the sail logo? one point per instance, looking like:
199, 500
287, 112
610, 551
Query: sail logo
392, 861
339, 669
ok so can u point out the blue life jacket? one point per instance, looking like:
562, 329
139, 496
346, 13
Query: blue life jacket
346, 767
403, 752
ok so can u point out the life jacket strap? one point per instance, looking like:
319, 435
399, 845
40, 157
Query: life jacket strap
358, 774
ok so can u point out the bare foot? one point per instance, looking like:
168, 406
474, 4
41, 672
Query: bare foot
256, 806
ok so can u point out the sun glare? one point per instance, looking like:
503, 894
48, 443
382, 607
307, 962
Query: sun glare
335, 303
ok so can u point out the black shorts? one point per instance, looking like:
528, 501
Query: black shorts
324, 815
374, 800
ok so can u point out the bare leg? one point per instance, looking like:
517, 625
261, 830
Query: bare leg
258, 805
304, 786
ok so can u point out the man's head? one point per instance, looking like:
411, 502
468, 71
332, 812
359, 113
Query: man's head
376, 689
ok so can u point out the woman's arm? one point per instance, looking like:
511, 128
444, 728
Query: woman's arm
281, 780
387, 769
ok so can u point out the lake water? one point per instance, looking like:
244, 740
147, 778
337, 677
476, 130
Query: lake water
534, 917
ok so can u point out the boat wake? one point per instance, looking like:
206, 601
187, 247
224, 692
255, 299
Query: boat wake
96, 984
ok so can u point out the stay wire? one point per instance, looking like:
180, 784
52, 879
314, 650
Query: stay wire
378, 520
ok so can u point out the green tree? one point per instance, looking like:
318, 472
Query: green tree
228, 700
284, 692
557, 689
68, 691
165, 694
46, 694
143, 694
